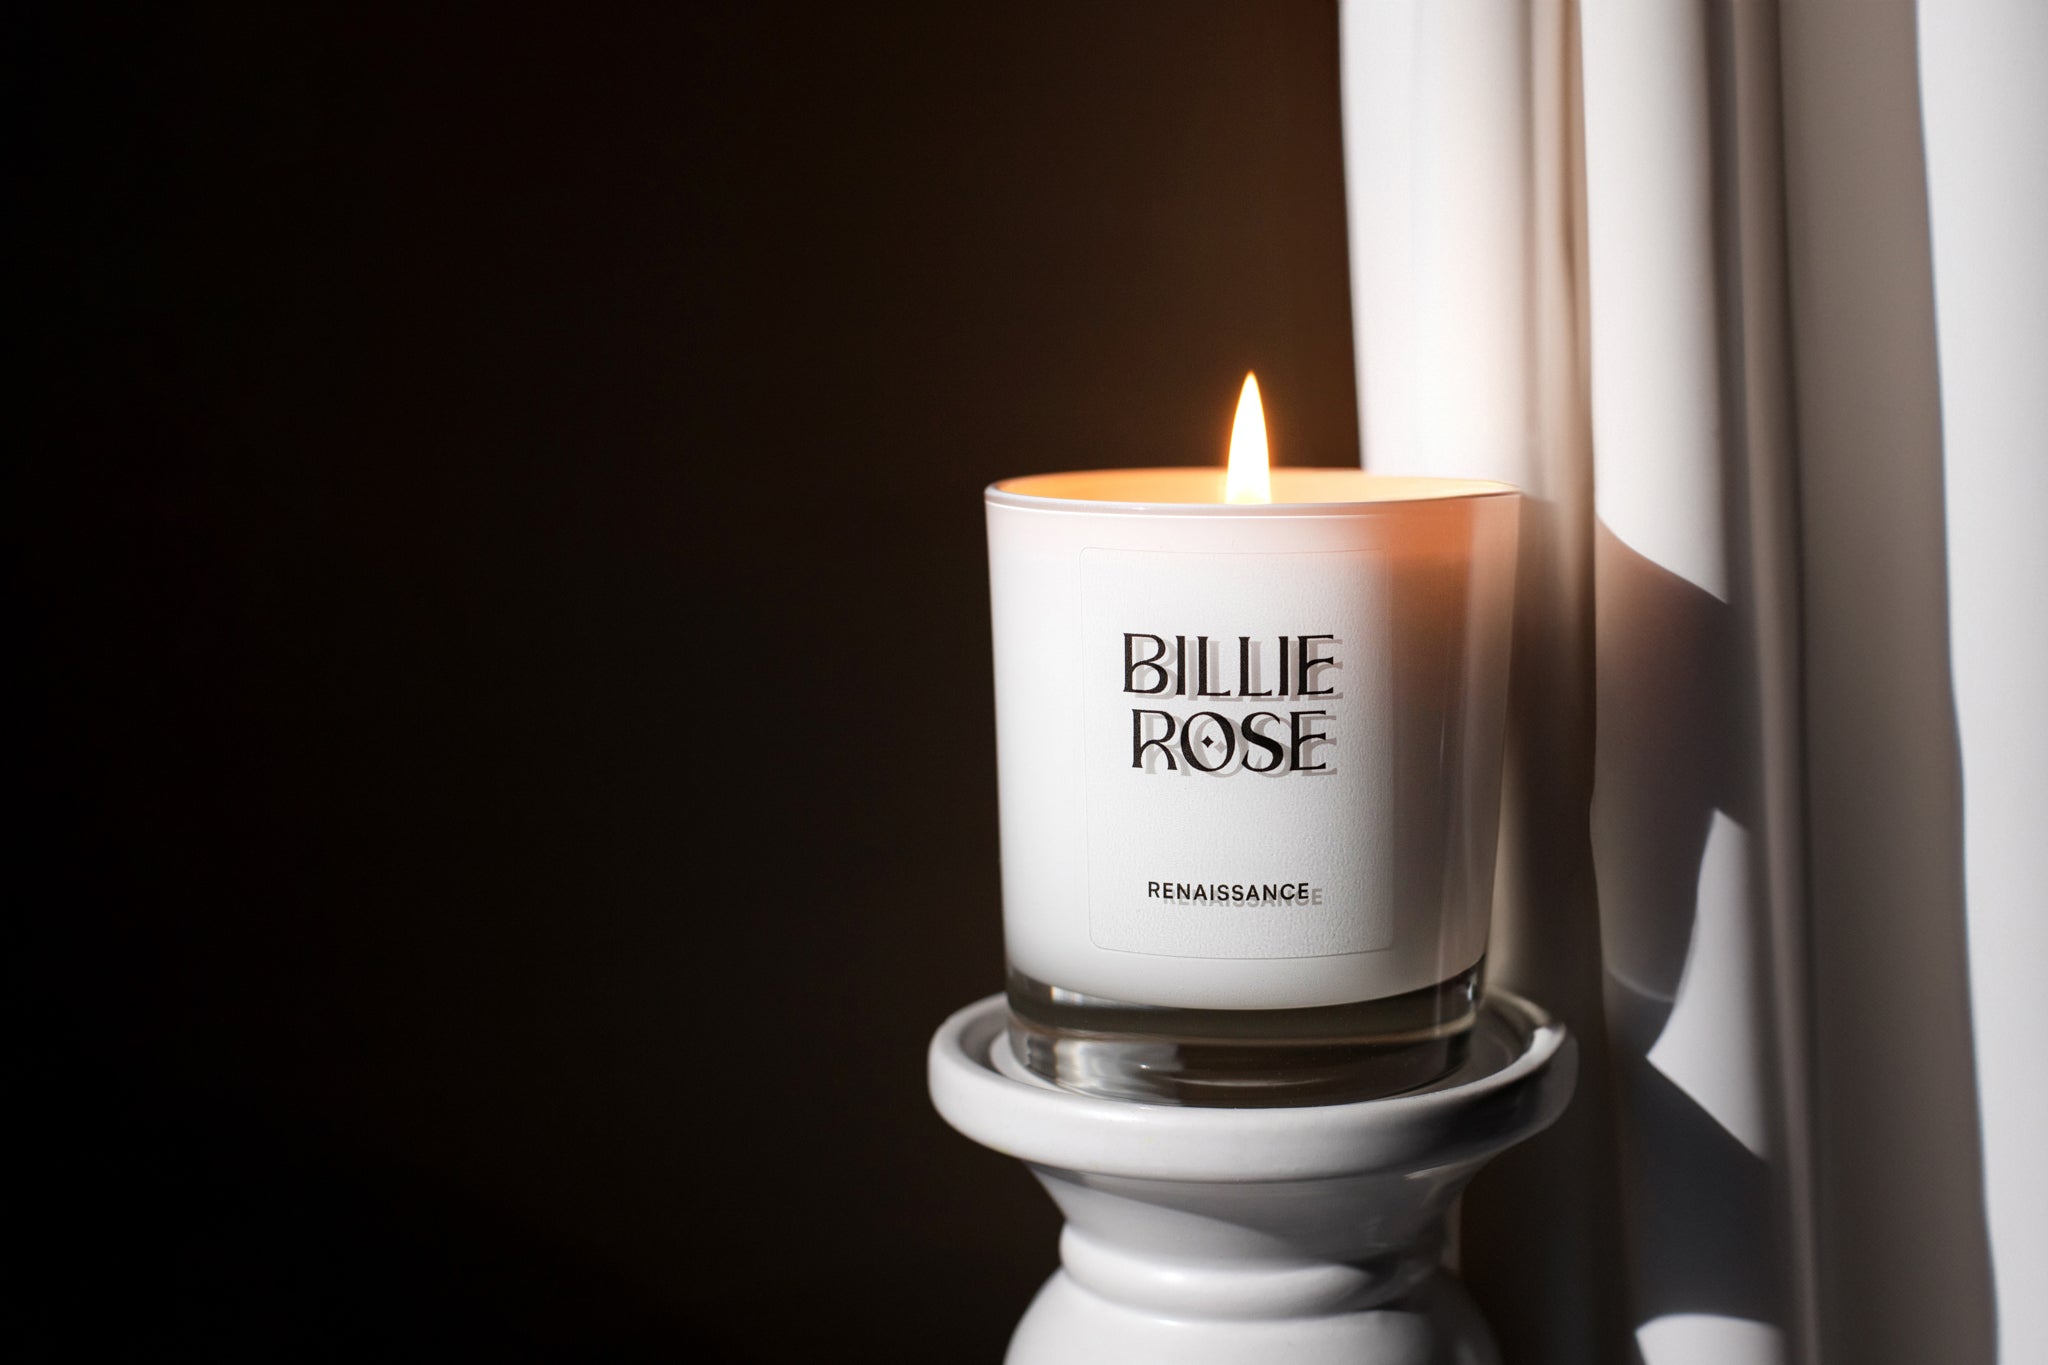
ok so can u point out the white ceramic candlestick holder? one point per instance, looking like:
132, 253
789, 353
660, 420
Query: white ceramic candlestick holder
1213, 1236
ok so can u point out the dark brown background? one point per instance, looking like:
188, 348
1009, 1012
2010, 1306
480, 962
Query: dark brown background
497, 564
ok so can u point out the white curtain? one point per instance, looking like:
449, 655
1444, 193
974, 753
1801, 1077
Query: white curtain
1752, 299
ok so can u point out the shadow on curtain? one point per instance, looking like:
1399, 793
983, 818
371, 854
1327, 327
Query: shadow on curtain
1732, 853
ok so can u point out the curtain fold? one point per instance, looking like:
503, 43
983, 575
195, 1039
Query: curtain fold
1983, 68
1895, 1124
1749, 297
1461, 179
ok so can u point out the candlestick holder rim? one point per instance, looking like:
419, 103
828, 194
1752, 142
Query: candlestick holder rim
1518, 1078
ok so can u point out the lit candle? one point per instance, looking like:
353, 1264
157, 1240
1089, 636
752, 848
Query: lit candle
1248, 732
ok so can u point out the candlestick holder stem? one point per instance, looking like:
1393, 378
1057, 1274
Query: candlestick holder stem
1226, 1236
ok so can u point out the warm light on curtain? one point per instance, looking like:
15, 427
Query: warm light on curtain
1751, 298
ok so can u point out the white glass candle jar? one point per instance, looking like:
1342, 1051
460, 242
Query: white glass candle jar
1249, 772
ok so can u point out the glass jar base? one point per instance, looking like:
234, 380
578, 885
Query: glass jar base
1325, 1054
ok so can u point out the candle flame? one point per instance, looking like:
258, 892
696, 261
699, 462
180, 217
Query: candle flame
1249, 479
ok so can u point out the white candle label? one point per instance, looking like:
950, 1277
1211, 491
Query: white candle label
1236, 712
